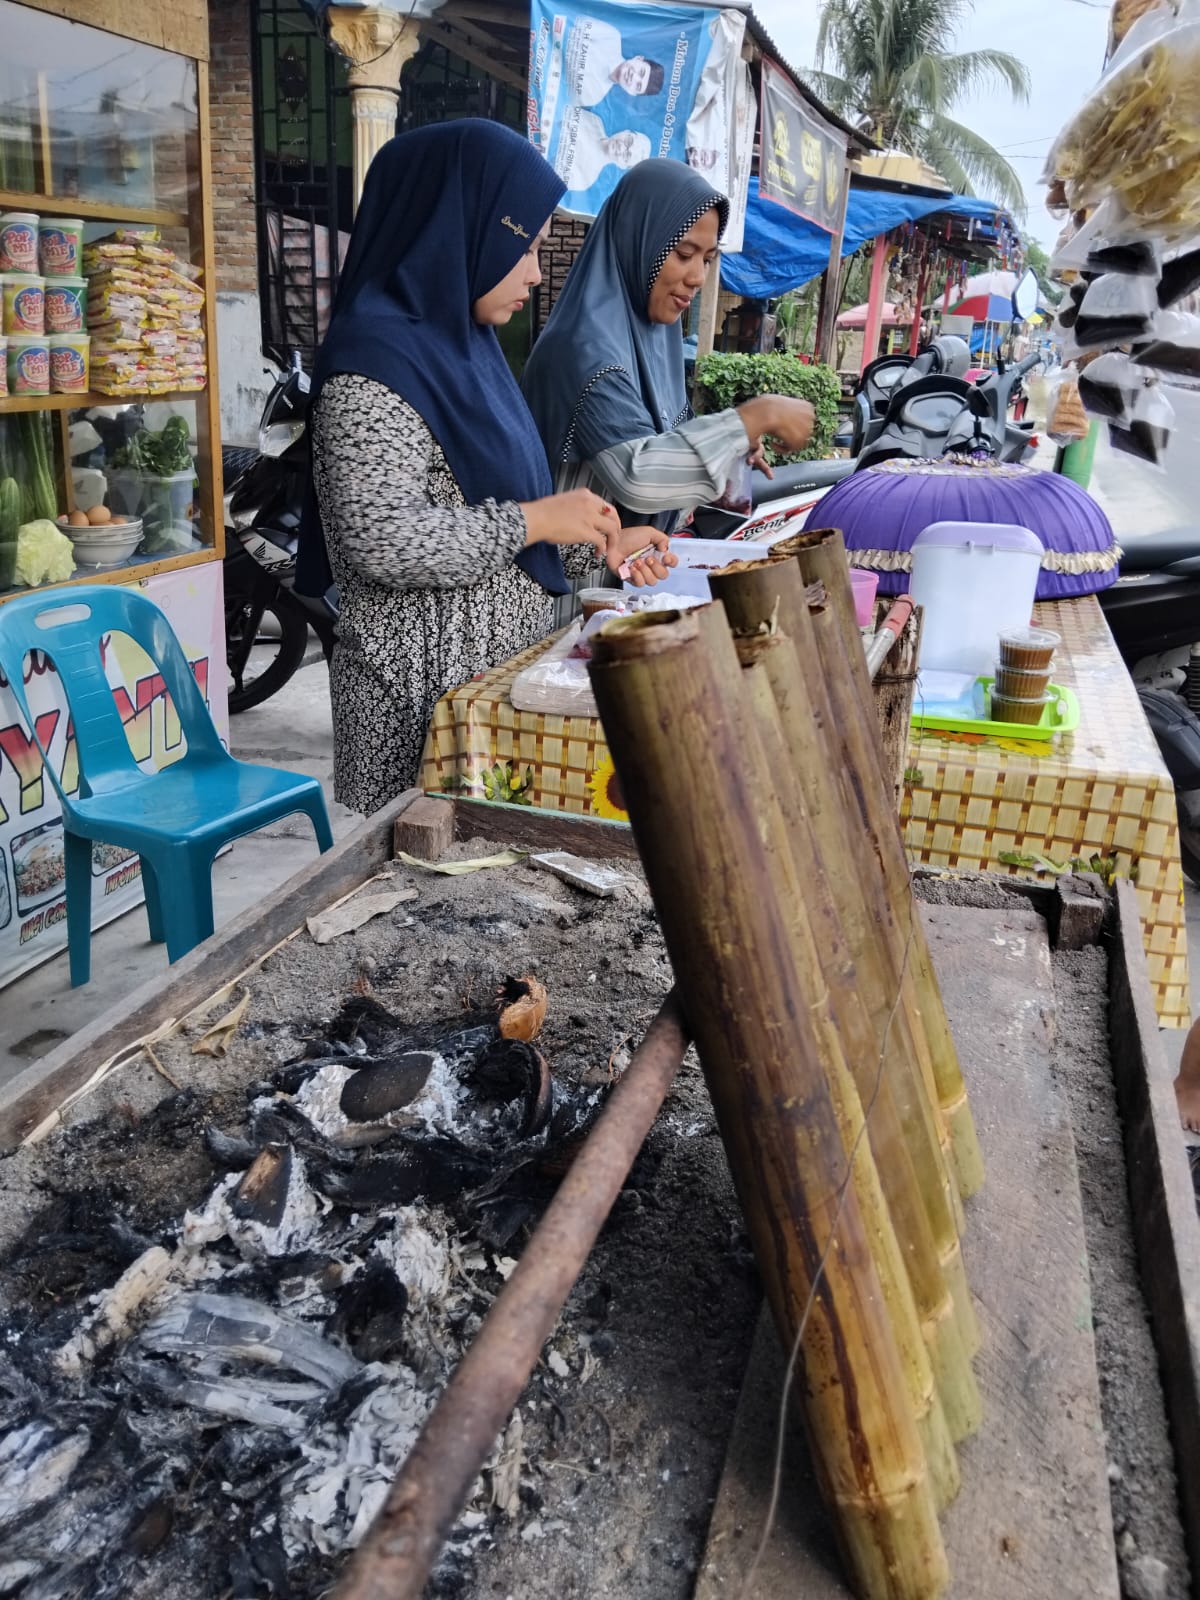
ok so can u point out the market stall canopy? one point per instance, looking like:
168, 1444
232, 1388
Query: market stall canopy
856, 317
782, 251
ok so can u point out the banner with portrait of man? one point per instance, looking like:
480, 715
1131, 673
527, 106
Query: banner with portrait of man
802, 161
612, 83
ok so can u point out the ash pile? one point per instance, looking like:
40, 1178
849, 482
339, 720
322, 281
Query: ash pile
222, 1408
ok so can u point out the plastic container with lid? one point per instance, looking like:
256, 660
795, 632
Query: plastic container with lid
18, 241
24, 303
975, 581
1028, 649
60, 246
1013, 709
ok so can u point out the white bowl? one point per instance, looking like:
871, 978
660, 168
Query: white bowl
106, 544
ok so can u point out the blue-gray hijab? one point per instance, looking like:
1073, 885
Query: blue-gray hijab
602, 373
446, 213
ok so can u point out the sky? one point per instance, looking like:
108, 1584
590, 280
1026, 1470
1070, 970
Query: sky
1061, 41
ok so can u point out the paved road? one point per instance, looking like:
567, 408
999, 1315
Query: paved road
1143, 499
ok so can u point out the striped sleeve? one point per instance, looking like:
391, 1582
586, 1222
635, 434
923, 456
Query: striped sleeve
669, 471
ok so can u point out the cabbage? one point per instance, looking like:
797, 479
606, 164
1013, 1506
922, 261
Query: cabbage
44, 554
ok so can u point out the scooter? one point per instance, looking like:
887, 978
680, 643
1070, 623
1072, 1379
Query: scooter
266, 621
936, 415
1153, 611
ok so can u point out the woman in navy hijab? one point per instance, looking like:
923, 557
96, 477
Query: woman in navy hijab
605, 381
434, 510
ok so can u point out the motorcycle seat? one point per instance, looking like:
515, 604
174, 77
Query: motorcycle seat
1178, 549
798, 476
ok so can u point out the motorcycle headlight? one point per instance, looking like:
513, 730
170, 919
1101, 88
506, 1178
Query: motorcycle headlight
278, 437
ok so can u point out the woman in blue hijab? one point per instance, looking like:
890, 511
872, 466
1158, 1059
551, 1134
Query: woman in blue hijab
605, 381
433, 510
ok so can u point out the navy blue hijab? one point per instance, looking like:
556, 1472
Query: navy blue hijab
446, 213
602, 373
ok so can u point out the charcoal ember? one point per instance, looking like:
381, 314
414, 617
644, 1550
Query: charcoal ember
363, 1020
260, 1564
36, 1464
511, 1069
385, 1086
370, 1313
262, 1194
434, 1169
227, 1151
281, 1123
293, 1075
152, 1526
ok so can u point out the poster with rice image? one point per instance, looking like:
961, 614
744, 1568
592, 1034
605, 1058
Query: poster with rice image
613, 83
33, 906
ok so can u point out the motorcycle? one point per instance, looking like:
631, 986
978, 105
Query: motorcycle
935, 414
1152, 611
266, 622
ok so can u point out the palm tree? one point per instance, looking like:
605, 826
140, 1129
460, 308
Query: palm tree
897, 75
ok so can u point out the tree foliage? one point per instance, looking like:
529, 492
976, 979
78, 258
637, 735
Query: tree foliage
893, 69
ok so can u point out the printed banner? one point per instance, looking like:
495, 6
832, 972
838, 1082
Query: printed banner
33, 906
613, 83
802, 162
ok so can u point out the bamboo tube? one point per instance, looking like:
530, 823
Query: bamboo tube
904, 1254
822, 556
866, 1014
700, 799
769, 594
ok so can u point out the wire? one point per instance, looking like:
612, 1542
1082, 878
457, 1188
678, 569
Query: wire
781, 1428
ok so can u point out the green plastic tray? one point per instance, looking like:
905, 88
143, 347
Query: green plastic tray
1060, 716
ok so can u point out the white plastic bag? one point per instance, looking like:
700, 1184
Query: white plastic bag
1146, 431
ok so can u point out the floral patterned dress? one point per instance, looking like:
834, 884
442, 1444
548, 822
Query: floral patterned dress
429, 593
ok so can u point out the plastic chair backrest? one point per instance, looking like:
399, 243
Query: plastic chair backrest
68, 627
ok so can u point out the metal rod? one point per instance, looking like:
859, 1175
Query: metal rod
889, 631
398, 1554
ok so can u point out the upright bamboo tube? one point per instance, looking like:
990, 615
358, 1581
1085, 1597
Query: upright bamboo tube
822, 557
701, 802
868, 1018
827, 982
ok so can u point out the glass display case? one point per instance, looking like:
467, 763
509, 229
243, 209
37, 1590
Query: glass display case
109, 421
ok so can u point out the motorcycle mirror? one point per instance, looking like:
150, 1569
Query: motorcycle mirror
1025, 296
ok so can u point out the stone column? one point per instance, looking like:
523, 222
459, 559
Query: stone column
377, 43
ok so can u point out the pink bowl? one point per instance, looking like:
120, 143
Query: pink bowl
864, 585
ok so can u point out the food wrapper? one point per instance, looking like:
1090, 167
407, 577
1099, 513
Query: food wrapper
557, 684
136, 236
1173, 348
1137, 138
1145, 432
1065, 417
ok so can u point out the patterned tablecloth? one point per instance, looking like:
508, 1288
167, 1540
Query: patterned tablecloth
970, 802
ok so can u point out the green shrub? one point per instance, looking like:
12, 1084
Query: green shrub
726, 380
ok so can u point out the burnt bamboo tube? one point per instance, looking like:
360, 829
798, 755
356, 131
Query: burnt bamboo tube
765, 595
822, 557
701, 803
827, 981
867, 1018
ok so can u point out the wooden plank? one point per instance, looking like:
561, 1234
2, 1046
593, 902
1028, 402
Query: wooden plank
425, 829
1033, 1520
531, 829
181, 26
1165, 1225
29, 1097
90, 210
208, 404
130, 574
895, 683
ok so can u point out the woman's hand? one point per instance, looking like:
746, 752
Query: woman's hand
758, 459
781, 417
652, 549
577, 517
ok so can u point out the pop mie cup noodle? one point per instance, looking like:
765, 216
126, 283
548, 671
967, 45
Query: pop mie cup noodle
3, 366
28, 364
60, 246
18, 241
66, 305
69, 361
24, 302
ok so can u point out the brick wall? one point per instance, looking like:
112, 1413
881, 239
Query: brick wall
558, 253
232, 154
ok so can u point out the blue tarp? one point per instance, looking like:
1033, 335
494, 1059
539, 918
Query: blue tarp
781, 250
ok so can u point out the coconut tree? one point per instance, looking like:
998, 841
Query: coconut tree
894, 71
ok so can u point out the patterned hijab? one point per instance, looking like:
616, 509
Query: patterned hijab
446, 213
602, 373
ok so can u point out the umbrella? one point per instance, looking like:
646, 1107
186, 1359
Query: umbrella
856, 317
984, 307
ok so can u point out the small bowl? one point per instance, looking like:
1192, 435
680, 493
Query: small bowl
104, 544
1028, 712
593, 600
1028, 649
1015, 683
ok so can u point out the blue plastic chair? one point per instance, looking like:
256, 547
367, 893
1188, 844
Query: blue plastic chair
176, 819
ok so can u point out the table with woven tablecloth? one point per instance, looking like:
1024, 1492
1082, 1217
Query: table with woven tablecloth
970, 802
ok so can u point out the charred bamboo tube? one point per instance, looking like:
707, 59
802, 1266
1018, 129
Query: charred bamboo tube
822, 556
772, 594
865, 1010
827, 980
709, 832
395, 1559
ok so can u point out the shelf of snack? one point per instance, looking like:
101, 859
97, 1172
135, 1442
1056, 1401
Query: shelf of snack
109, 428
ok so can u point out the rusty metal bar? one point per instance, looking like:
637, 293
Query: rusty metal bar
398, 1554
888, 633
